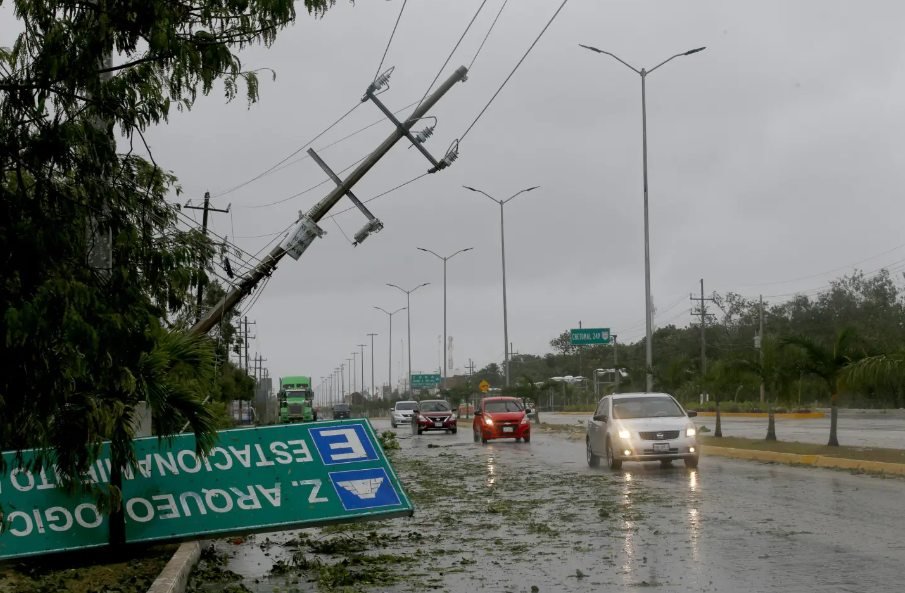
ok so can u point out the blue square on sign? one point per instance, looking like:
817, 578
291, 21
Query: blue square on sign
348, 443
364, 489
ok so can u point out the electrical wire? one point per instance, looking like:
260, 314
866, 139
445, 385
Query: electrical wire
448, 58
398, 18
492, 25
292, 154
544, 30
305, 191
344, 138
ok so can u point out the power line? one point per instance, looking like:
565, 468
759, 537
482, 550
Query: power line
305, 191
292, 154
492, 25
544, 30
398, 18
448, 58
334, 143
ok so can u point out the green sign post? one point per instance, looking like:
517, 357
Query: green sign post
425, 381
253, 480
588, 336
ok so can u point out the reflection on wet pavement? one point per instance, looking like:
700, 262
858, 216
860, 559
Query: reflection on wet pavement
516, 517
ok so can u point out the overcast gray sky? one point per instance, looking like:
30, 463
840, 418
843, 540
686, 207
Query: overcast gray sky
774, 160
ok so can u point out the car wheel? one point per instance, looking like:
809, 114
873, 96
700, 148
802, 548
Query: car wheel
393, 423
528, 439
664, 463
611, 460
691, 462
454, 430
593, 460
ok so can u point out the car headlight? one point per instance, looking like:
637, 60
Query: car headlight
488, 420
691, 431
452, 416
525, 419
624, 434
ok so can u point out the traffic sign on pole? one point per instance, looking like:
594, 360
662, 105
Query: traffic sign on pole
253, 480
587, 336
429, 381
484, 386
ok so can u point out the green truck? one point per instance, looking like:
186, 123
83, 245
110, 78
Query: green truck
296, 400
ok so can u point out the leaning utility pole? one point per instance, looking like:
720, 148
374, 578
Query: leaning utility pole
306, 228
206, 208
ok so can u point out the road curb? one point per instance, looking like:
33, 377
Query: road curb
876, 467
175, 574
786, 415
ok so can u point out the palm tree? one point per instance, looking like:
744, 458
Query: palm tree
828, 363
880, 370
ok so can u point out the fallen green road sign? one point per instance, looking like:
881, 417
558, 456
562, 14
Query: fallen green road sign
253, 480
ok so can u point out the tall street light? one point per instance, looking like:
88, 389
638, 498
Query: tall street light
445, 259
648, 313
373, 393
408, 306
503, 249
390, 349
362, 346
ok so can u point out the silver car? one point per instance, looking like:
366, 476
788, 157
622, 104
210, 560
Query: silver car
641, 427
402, 413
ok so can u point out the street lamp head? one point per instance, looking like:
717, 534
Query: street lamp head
590, 47
471, 188
694, 51
532, 188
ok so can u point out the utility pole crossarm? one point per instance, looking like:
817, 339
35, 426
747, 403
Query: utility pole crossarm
307, 224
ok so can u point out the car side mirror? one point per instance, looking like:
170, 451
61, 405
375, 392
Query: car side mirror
527, 410
692, 413
600, 418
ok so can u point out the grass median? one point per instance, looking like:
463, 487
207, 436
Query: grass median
858, 453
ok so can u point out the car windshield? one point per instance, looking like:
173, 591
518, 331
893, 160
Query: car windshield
438, 406
645, 407
406, 405
504, 405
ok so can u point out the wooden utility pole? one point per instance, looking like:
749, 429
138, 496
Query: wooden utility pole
760, 347
702, 311
206, 208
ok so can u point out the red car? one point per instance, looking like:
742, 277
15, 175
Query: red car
433, 414
501, 418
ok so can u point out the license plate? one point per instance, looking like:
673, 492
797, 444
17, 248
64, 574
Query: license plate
508, 429
438, 424
658, 447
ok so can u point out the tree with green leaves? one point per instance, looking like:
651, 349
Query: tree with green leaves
84, 343
828, 362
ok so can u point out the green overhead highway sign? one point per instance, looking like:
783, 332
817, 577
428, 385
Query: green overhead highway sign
425, 381
253, 480
588, 336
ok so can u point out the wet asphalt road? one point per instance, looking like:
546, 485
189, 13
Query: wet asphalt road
512, 516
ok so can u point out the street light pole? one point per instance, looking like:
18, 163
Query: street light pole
390, 349
362, 346
408, 314
373, 392
445, 259
648, 313
503, 252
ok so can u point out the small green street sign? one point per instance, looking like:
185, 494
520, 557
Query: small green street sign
588, 336
253, 480
425, 381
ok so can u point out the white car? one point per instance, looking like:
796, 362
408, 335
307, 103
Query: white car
641, 427
402, 413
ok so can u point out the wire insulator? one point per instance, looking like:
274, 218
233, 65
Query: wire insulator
379, 83
424, 134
